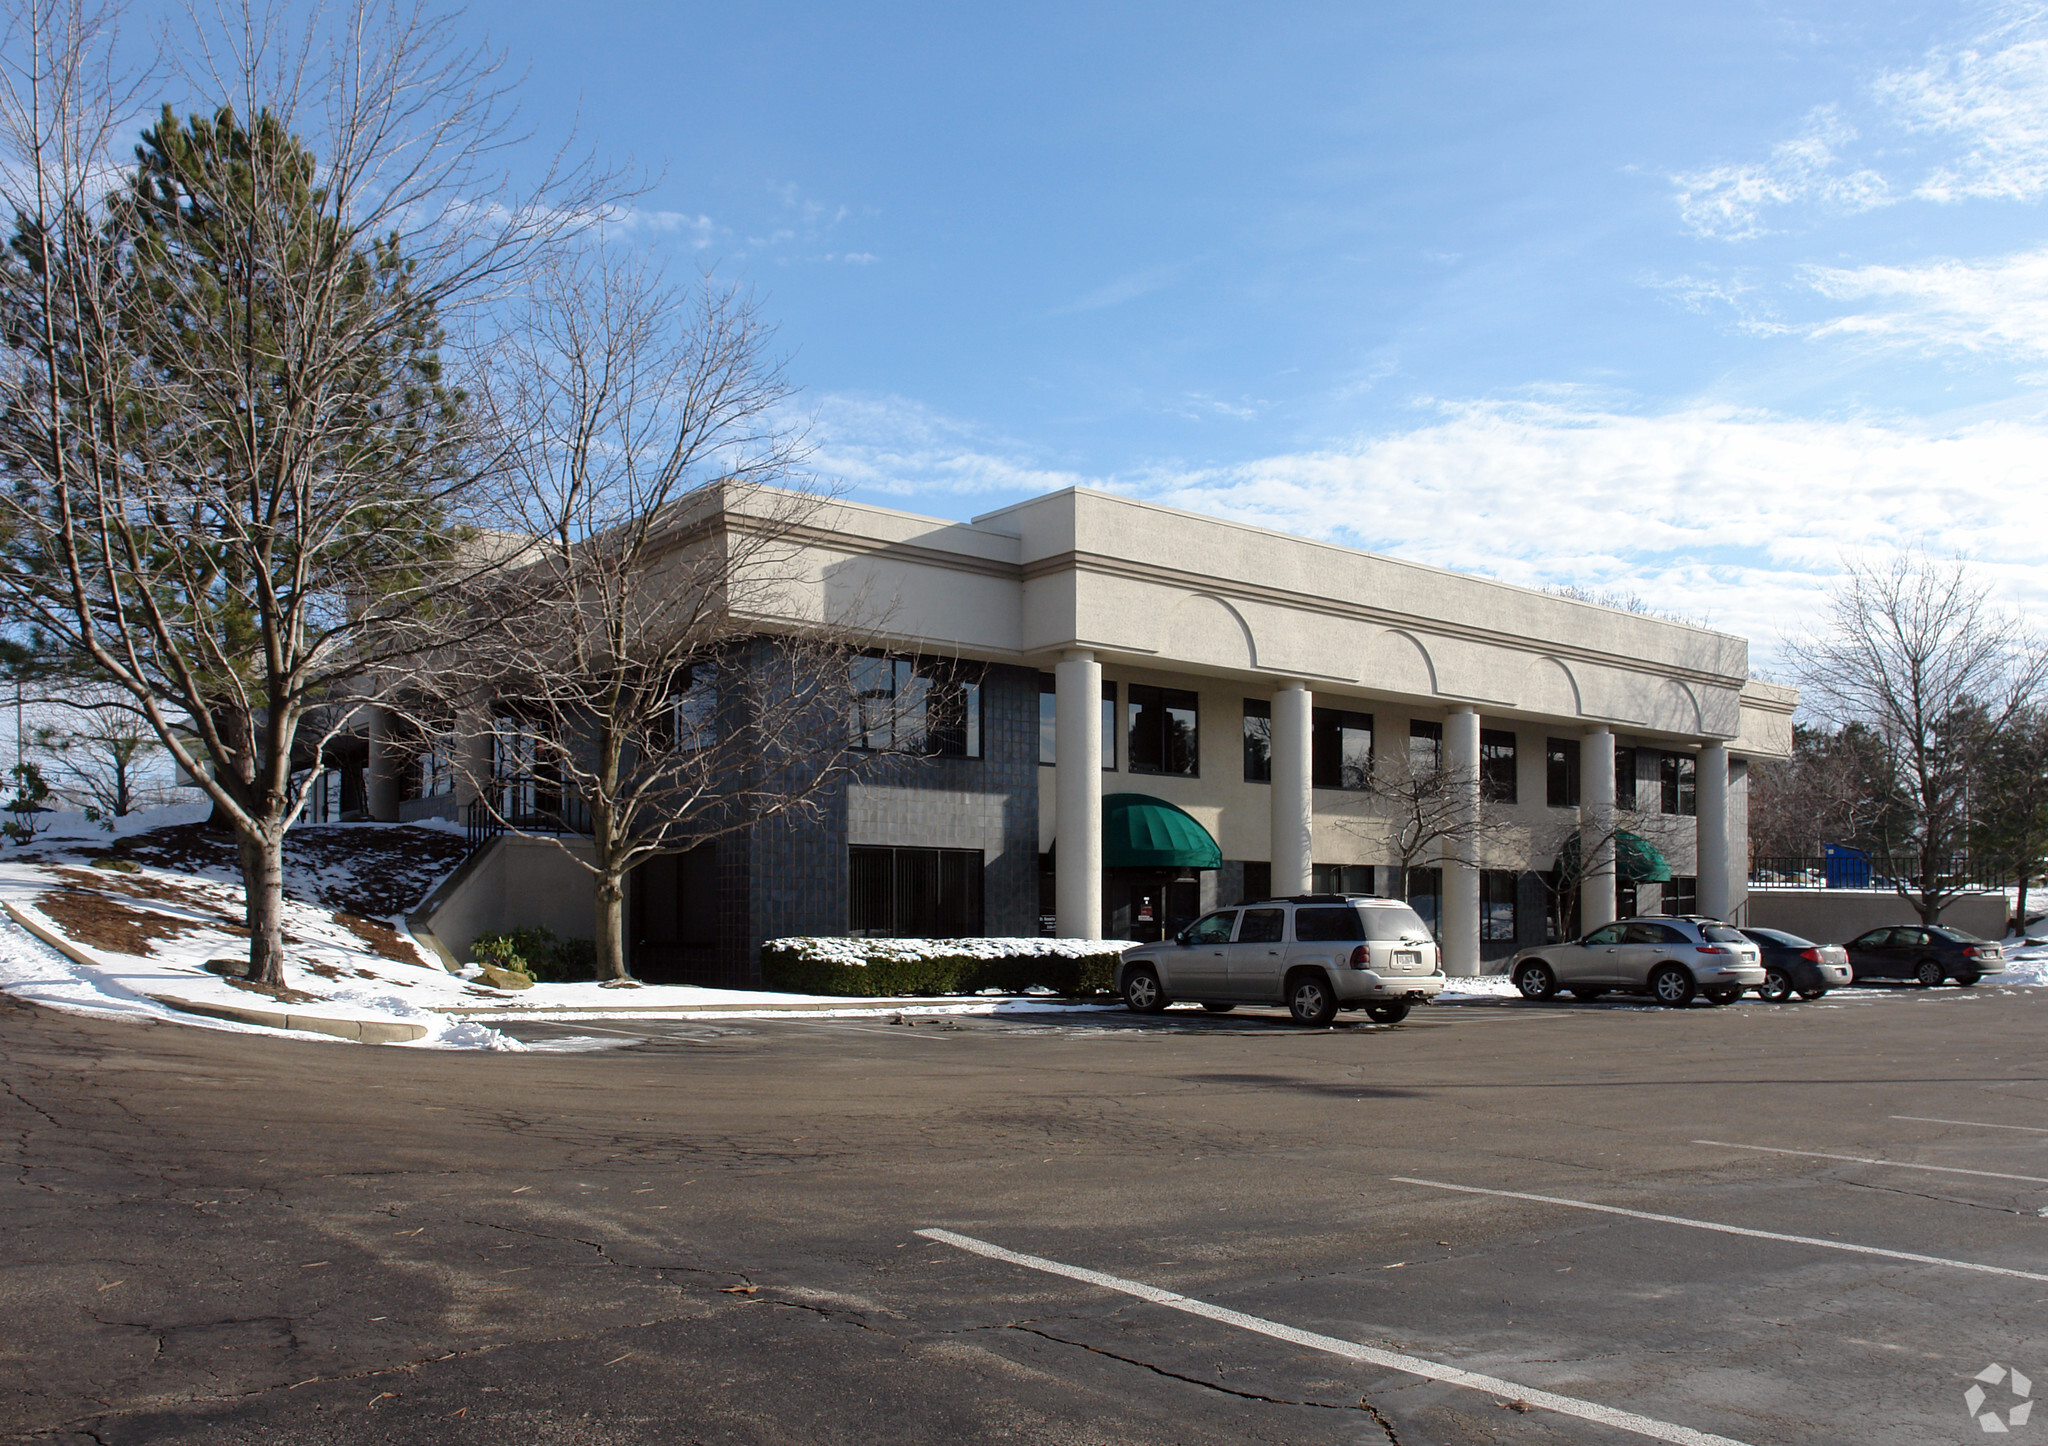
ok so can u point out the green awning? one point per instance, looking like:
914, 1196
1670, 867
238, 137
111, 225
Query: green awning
1636, 860
1143, 832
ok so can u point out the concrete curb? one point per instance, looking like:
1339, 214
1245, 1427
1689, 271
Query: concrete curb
809, 1006
366, 1031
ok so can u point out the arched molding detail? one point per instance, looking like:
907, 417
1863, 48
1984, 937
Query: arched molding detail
1194, 617
1678, 708
1397, 662
1550, 686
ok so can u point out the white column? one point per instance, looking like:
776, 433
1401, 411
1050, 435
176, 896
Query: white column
1460, 923
1596, 814
1293, 799
1077, 826
1715, 881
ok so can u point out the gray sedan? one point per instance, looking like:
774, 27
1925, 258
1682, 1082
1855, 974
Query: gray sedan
1669, 957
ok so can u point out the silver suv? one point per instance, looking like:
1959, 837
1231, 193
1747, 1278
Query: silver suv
1317, 953
1670, 957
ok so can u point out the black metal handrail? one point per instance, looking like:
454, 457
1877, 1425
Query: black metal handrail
482, 823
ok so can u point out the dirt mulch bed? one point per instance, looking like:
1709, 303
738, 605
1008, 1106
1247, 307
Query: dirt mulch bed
391, 865
279, 992
384, 941
99, 922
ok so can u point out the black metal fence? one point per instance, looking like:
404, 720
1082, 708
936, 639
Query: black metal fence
481, 823
1859, 870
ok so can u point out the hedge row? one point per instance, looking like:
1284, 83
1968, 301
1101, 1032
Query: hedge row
854, 971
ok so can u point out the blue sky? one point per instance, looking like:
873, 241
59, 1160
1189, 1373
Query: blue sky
1685, 300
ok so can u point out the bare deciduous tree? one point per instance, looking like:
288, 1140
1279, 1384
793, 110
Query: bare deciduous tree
238, 482
647, 687
1915, 652
99, 752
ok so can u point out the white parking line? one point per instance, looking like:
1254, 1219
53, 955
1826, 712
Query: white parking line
1391, 1360
1728, 1229
1866, 1160
1973, 1124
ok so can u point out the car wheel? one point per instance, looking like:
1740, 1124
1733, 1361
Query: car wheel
1777, 986
1809, 995
1142, 991
1311, 1000
1722, 996
1964, 981
1535, 981
1587, 995
1928, 974
1672, 985
1218, 1008
1392, 1013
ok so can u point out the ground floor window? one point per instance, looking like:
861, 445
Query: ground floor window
1342, 879
914, 893
1682, 896
1497, 892
1426, 897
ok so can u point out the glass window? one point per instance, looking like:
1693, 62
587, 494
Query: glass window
1262, 926
1109, 728
1335, 925
1048, 717
1721, 934
1497, 894
1258, 880
1682, 895
1625, 778
1678, 783
1425, 897
1340, 749
437, 766
1425, 747
914, 893
1874, 939
1258, 741
1162, 730
1497, 766
1213, 928
1340, 879
917, 706
1909, 938
1606, 934
1561, 772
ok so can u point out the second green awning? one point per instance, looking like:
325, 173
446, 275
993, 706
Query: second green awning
1636, 860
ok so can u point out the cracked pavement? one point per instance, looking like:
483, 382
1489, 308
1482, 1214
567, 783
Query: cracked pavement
707, 1237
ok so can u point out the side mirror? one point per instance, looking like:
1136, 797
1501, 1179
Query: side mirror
1182, 938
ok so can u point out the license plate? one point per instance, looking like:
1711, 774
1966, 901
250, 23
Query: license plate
1407, 956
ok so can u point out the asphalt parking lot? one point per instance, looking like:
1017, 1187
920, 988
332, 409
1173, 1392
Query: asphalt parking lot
1504, 1222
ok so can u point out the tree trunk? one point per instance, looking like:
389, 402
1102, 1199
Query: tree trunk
611, 926
2020, 920
263, 894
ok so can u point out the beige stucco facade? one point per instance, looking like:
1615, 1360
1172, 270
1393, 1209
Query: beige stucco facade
1129, 592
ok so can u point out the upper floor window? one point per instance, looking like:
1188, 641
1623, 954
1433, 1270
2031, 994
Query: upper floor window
1625, 778
915, 705
1048, 722
690, 720
1678, 780
1258, 741
1561, 772
1340, 749
1162, 730
1497, 765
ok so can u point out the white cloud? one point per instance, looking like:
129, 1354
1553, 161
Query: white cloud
896, 448
1995, 306
1742, 518
1992, 97
1730, 201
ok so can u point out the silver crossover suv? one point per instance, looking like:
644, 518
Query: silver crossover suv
1669, 957
1316, 953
